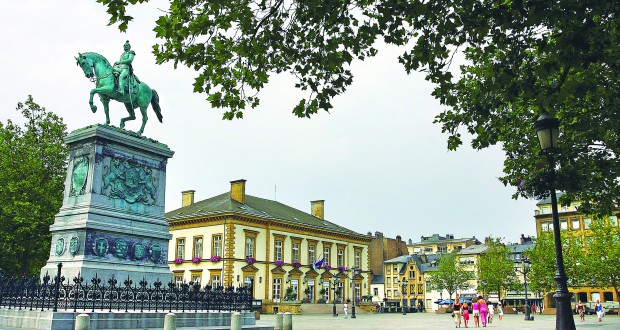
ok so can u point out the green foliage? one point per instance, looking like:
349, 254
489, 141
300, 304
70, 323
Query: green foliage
450, 275
496, 268
603, 255
523, 58
32, 173
542, 256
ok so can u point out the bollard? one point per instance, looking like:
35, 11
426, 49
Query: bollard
170, 322
82, 322
235, 321
279, 317
287, 323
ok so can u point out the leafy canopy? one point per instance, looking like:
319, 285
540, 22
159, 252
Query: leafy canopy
602, 256
495, 271
450, 275
522, 58
32, 174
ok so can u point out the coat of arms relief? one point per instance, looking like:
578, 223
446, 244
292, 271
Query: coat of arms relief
126, 179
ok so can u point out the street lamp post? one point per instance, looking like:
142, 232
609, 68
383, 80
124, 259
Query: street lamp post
547, 129
525, 269
334, 288
404, 291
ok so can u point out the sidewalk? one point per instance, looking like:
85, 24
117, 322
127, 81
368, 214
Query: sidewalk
431, 321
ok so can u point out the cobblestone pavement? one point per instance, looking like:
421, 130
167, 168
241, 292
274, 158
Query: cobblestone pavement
431, 321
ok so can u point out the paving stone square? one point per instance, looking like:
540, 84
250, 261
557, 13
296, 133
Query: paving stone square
431, 321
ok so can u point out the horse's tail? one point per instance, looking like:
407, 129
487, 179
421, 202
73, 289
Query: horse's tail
155, 104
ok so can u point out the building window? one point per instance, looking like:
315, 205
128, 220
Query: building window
295, 286
215, 280
587, 222
389, 281
563, 224
395, 281
466, 261
395, 269
277, 283
249, 247
180, 248
389, 293
196, 279
278, 250
441, 249
217, 245
178, 279
358, 291
295, 252
311, 254
428, 249
576, 224
197, 247
326, 256
412, 288
546, 226
376, 291
340, 258
412, 274
326, 295
358, 260
420, 289
458, 247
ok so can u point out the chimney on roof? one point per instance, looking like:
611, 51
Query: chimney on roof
237, 190
410, 242
318, 209
187, 197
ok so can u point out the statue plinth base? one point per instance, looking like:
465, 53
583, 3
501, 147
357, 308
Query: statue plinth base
112, 222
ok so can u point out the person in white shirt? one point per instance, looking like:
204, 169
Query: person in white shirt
346, 309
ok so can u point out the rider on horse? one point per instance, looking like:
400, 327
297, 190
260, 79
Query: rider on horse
123, 68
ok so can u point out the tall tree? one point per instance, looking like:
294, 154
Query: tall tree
603, 254
450, 275
542, 256
495, 270
32, 173
522, 58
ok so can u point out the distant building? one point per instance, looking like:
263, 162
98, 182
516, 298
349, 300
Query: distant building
517, 298
382, 248
404, 281
233, 238
440, 244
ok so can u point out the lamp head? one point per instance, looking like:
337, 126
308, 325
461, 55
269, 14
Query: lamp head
547, 129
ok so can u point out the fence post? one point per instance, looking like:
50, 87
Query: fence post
287, 323
279, 317
82, 322
57, 285
235, 321
170, 322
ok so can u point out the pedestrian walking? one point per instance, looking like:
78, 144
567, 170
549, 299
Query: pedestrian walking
476, 309
484, 311
599, 311
456, 310
466, 309
581, 309
491, 312
500, 311
345, 307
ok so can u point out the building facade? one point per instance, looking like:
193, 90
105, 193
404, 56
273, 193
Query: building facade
404, 281
237, 239
440, 244
573, 221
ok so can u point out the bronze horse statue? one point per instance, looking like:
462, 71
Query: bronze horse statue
137, 95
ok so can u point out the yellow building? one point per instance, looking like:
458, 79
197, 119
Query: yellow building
233, 238
573, 221
404, 283
440, 244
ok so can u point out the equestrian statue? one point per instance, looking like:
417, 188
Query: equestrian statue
120, 84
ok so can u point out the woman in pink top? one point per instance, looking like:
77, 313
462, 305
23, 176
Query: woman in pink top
475, 307
484, 311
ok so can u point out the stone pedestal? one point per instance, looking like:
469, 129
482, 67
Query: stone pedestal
112, 219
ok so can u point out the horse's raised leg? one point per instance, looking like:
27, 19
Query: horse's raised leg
145, 118
93, 107
132, 115
106, 107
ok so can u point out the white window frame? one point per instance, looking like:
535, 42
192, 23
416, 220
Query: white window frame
278, 250
249, 247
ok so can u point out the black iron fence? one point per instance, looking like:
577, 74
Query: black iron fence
109, 295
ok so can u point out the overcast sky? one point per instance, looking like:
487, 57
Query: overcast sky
377, 159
